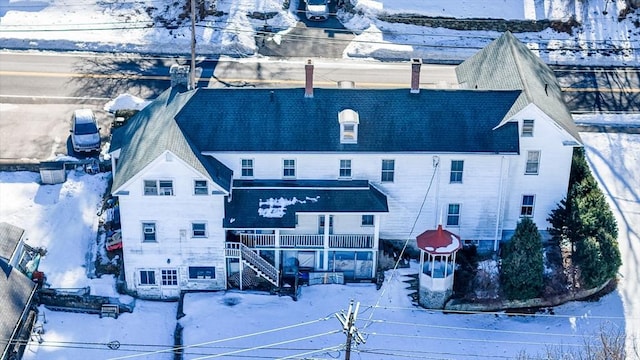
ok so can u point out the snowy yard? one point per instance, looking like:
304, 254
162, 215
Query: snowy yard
63, 218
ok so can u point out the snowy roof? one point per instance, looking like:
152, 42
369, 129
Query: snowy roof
273, 204
507, 64
10, 236
15, 294
152, 131
439, 241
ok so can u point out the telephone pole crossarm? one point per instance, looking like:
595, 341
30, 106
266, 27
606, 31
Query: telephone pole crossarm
348, 327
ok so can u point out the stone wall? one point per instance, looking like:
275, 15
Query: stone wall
433, 299
500, 25
456, 305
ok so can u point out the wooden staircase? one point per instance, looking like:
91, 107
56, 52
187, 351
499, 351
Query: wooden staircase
251, 259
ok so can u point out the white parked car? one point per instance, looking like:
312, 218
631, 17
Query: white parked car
317, 9
85, 134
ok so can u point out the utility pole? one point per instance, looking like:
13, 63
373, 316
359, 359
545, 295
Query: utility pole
348, 327
192, 71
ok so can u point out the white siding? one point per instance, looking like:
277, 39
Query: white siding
173, 215
342, 224
413, 172
551, 183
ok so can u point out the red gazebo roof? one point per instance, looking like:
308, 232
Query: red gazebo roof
439, 241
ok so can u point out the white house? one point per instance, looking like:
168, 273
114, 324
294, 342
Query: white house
214, 182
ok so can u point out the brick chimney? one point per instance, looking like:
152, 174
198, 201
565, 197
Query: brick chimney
415, 75
179, 75
308, 86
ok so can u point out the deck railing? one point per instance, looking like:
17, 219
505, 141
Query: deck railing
351, 241
254, 260
258, 240
301, 240
348, 241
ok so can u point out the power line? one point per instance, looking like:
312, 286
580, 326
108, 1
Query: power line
422, 354
226, 339
478, 329
404, 247
498, 313
305, 354
460, 339
268, 345
109, 26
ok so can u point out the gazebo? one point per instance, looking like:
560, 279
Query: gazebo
438, 250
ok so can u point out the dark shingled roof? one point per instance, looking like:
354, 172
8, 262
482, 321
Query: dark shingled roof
16, 290
243, 212
152, 131
390, 120
10, 236
507, 64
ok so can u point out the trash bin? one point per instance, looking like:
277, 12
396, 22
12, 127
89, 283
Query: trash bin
52, 172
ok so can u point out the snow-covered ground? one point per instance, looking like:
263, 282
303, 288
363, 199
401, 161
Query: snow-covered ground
249, 325
137, 26
245, 325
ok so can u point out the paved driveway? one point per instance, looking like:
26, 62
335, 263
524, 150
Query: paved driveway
325, 39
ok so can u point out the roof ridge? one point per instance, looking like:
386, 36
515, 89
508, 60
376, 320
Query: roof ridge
516, 59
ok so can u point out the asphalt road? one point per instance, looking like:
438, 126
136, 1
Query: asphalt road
39, 91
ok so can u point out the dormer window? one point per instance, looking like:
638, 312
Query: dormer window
349, 121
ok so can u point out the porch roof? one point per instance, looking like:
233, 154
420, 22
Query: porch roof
273, 204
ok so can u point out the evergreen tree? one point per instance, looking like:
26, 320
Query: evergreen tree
586, 220
521, 274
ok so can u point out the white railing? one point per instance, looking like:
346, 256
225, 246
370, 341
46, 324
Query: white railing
258, 240
436, 284
232, 249
302, 240
254, 260
351, 241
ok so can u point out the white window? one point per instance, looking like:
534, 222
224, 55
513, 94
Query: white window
150, 187
147, 277
166, 187
457, 167
527, 128
349, 120
200, 187
199, 230
533, 162
527, 205
388, 169
169, 277
202, 272
289, 168
158, 187
247, 167
345, 168
149, 232
367, 220
453, 215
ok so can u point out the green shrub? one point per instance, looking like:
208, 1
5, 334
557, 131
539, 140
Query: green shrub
521, 273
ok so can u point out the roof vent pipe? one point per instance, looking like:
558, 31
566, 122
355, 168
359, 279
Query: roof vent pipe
415, 75
308, 87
